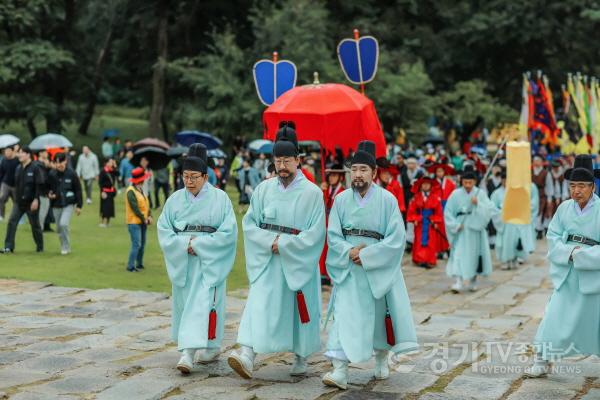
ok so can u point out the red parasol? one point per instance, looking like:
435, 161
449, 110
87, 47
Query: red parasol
333, 114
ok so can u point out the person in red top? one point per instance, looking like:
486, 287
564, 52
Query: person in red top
333, 186
387, 179
425, 212
442, 173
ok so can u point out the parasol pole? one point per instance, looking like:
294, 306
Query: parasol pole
322, 163
489, 169
274, 76
356, 38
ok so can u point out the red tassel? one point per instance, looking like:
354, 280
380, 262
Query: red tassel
302, 310
212, 325
389, 330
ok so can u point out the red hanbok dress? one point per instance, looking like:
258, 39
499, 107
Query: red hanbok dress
425, 211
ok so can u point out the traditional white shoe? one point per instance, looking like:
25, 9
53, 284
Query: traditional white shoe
520, 261
473, 284
299, 367
339, 376
382, 370
458, 286
539, 369
206, 356
186, 362
241, 363
505, 266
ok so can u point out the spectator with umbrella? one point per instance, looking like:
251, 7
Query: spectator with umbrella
27, 192
138, 217
8, 167
108, 191
66, 198
88, 170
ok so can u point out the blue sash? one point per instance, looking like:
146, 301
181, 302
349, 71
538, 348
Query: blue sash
425, 213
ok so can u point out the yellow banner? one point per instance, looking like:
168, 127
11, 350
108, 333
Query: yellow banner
516, 208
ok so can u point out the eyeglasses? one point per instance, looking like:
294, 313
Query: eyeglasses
284, 161
191, 178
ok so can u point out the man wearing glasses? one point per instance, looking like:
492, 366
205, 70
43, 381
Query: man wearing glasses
197, 232
571, 324
284, 233
370, 305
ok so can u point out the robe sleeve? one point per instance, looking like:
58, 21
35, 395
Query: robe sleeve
338, 252
587, 259
412, 215
300, 253
216, 251
481, 213
451, 221
173, 246
559, 251
257, 241
497, 212
382, 260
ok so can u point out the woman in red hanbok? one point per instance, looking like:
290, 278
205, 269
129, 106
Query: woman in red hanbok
425, 212
387, 175
443, 173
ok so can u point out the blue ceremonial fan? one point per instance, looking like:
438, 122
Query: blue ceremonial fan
273, 78
358, 58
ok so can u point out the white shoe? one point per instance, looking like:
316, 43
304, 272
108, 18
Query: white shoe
458, 286
206, 356
520, 261
339, 376
299, 367
242, 362
473, 284
64, 252
382, 370
505, 266
89, 201
539, 369
1, 218
186, 362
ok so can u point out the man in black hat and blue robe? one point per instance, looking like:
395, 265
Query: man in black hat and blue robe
370, 305
284, 233
571, 323
197, 232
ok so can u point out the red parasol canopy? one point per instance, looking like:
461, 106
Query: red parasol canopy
332, 114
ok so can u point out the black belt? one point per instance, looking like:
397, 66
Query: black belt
582, 239
463, 213
362, 232
198, 228
279, 228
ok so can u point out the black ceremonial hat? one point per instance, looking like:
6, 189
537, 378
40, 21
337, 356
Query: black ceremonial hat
583, 170
286, 141
365, 154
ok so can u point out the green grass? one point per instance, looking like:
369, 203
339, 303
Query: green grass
99, 255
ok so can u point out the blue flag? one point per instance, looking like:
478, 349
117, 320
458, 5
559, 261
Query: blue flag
358, 58
272, 79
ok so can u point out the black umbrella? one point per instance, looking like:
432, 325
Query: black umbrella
177, 151
434, 140
157, 157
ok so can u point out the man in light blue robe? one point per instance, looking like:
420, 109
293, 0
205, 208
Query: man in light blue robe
514, 242
197, 232
467, 214
370, 305
284, 233
571, 323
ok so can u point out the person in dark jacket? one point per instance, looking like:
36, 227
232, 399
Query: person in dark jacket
28, 186
66, 198
8, 167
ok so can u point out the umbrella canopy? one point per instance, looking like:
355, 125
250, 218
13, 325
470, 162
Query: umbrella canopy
110, 133
177, 151
151, 142
49, 141
216, 153
261, 146
157, 157
332, 114
8, 140
187, 138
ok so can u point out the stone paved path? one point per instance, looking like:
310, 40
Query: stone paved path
112, 344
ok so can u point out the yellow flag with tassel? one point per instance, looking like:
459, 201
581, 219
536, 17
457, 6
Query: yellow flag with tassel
516, 209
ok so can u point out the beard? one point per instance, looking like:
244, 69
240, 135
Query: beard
359, 185
283, 173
